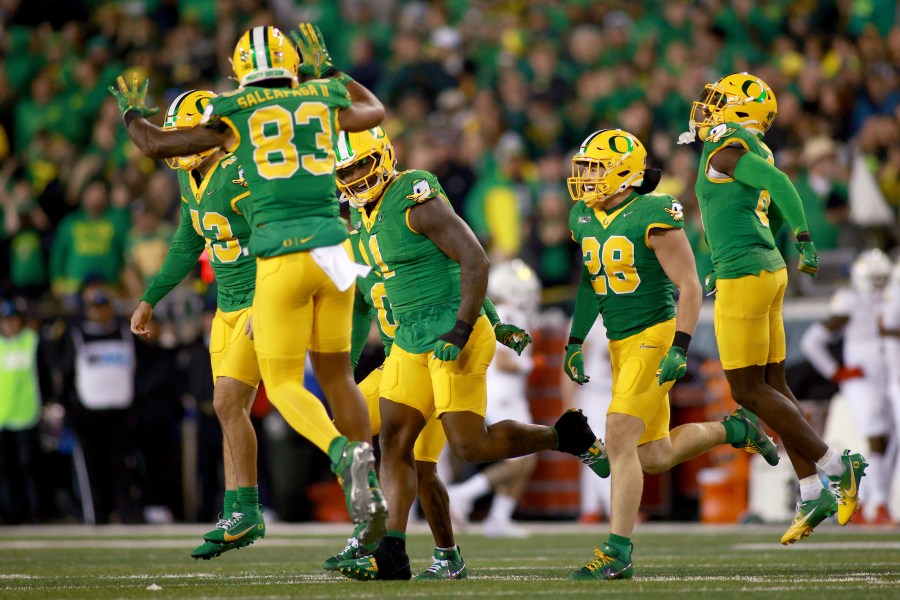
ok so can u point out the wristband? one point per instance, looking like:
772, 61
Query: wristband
682, 340
459, 335
574, 340
804, 237
131, 115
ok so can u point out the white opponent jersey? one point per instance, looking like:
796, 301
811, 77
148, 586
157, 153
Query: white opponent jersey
863, 345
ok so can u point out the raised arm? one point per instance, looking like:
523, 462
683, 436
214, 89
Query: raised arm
157, 143
366, 112
153, 141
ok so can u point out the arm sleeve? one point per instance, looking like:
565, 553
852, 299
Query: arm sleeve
362, 322
754, 171
182, 256
490, 311
815, 346
586, 307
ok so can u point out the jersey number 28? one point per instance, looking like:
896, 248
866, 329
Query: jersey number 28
616, 257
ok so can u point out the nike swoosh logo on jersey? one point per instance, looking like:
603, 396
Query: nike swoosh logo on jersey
306, 239
211, 192
646, 347
234, 538
628, 213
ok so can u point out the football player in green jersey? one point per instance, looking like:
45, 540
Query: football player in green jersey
635, 254
372, 301
215, 205
737, 188
435, 275
283, 134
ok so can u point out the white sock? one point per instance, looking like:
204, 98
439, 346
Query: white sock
450, 549
502, 508
877, 491
474, 487
810, 488
831, 463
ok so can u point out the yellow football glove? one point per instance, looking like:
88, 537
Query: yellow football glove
132, 98
311, 44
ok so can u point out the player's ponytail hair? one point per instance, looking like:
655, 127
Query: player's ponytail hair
651, 180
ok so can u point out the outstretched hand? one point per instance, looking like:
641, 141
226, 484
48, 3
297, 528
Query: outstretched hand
311, 44
133, 97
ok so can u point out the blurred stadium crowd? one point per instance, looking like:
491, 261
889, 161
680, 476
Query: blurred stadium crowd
492, 96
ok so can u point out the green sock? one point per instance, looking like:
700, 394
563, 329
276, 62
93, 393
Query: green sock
396, 534
336, 450
735, 431
622, 544
248, 498
228, 506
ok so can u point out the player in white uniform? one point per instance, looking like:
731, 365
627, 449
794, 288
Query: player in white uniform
593, 398
862, 374
515, 290
890, 323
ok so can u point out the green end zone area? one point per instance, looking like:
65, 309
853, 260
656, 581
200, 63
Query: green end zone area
670, 560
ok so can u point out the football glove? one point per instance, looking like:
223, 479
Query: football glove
132, 98
809, 260
449, 345
512, 337
673, 366
710, 283
574, 365
316, 60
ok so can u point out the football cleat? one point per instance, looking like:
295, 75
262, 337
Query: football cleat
382, 564
810, 514
209, 550
596, 458
573, 434
606, 565
242, 526
757, 441
846, 485
351, 551
446, 564
376, 527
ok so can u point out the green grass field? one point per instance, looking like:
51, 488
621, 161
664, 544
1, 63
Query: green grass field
672, 560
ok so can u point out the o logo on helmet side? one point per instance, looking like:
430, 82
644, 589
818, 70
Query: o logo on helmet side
614, 144
745, 88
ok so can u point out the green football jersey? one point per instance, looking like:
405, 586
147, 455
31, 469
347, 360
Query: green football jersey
373, 291
735, 216
421, 281
632, 289
285, 141
214, 215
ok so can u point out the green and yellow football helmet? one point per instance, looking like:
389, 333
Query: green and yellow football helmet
739, 98
186, 111
608, 162
370, 148
264, 53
